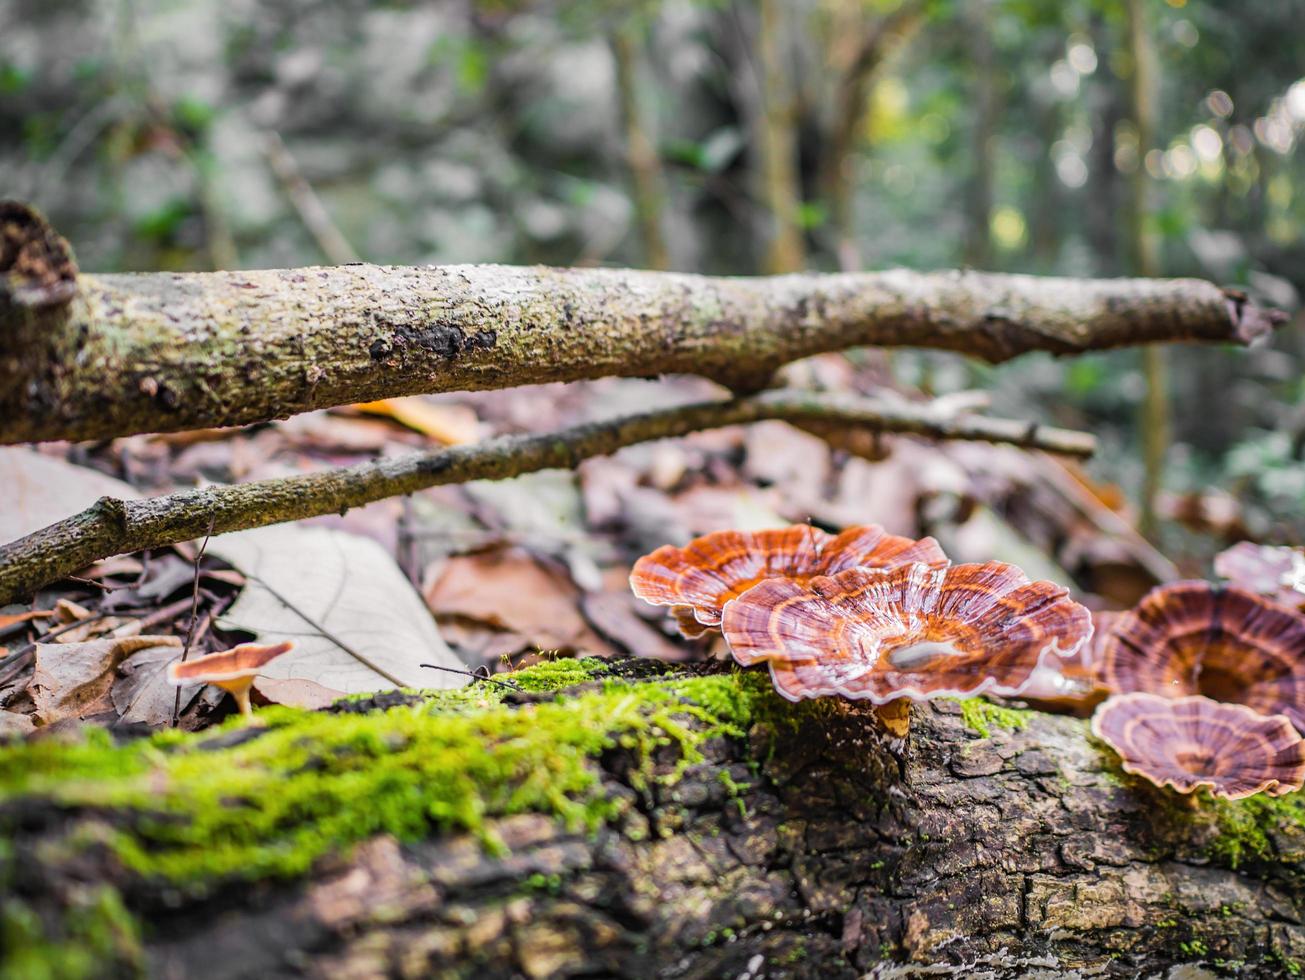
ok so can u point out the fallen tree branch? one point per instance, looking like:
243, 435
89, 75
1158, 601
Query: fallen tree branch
163, 352
112, 527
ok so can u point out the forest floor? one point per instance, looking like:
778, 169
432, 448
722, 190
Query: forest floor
531, 573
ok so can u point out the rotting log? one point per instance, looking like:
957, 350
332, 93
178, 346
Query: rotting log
95, 356
111, 526
640, 822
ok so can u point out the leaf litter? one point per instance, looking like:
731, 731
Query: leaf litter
490, 575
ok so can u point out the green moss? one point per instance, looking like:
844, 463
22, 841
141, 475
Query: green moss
982, 716
197, 808
1243, 825
735, 790
95, 932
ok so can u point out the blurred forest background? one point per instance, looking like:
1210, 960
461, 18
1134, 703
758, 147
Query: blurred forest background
1081, 138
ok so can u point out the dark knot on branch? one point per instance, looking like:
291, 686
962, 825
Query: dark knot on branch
37, 269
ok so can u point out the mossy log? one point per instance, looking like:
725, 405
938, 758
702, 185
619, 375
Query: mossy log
587, 819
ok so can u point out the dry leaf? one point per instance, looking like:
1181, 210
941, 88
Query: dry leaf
481, 645
142, 694
796, 463
297, 693
72, 680
305, 583
12, 724
612, 613
710, 508
7, 622
42, 489
444, 422
506, 588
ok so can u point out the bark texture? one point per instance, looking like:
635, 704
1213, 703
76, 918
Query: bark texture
802, 844
171, 351
112, 527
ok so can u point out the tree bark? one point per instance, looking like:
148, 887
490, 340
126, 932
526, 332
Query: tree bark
162, 352
797, 842
111, 527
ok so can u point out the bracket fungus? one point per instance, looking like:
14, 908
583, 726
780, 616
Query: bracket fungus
697, 580
232, 670
1073, 685
1194, 741
1274, 572
915, 631
1199, 638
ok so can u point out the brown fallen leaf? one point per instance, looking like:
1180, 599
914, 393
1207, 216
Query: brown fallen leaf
613, 615
444, 422
142, 693
41, 489
297, 693
14, 724
123, 566
714, 508
72, 680
67, 612
795, 463
479, 644
24, 617
507, 588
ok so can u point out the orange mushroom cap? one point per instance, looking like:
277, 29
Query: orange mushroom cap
1190, 742
1274, 572
1199, 638
232, 670
914, 631
711, 570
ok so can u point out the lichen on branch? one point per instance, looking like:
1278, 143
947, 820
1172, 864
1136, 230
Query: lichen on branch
170, 351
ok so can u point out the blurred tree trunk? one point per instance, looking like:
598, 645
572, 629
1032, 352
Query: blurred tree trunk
780, 181
1046, 226
1146, 261
857, 49
979, 192
647, 179
1101, 221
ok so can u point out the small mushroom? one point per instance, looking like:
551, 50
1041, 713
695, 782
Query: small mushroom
1199, 638
1190, 742
232, 670
697, 580
1273, 572
915, 631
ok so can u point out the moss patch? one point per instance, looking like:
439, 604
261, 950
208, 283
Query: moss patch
97, 930
981, 716
1244, 826
193, 809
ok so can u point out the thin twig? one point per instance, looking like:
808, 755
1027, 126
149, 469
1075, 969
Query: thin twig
194, 611
112, 527
484, 678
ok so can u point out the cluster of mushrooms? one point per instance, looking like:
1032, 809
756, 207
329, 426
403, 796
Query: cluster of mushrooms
1203, 685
